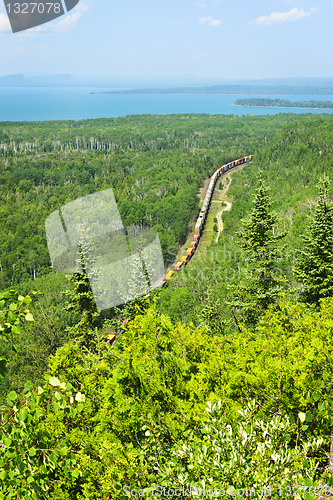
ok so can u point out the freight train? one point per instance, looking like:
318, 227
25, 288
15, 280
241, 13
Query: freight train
203, 214
198, 227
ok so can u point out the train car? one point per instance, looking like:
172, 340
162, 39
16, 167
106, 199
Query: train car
204, 212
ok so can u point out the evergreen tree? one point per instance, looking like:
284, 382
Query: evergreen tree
80, 298
262, 280
315, 266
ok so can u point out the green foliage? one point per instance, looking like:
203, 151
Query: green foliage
315, 266
249, 458
282, 103
38, 339
283, 362
156, 377
154, 164
141, 421
80, 297
34, 452
210, 314
131, 411
263, 282
14, 310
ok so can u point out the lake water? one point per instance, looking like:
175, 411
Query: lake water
20, 104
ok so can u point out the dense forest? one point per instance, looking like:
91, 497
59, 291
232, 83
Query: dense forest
218, 384
283, 103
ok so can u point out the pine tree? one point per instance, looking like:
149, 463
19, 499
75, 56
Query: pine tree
81, 299
262, 280
315, 266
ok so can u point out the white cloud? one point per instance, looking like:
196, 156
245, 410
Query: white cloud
71, 19
210, 21
215, 22
284, 17
64, 24
4, 24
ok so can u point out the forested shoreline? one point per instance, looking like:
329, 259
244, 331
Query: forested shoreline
219, 381
283, 103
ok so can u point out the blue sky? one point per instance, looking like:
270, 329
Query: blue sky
224, 39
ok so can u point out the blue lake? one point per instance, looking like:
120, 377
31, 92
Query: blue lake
20, 104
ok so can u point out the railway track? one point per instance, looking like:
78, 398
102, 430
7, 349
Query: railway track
201, 221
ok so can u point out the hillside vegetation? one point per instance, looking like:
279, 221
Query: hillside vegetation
222, 381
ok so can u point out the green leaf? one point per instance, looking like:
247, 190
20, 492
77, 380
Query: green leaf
23, 415
316, 396
32, 452
3, 475
38, 414
80, 397
75, 473
27, 299
321, 406
308, 416
30, 480
29, 317
7, 442
302, 416
54, 381
27, 387
12, 396
16, 329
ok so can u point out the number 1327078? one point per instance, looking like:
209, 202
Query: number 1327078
34, 8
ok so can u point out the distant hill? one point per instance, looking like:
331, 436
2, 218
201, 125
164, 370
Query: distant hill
19, 80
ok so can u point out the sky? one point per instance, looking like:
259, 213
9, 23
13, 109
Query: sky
217, 39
